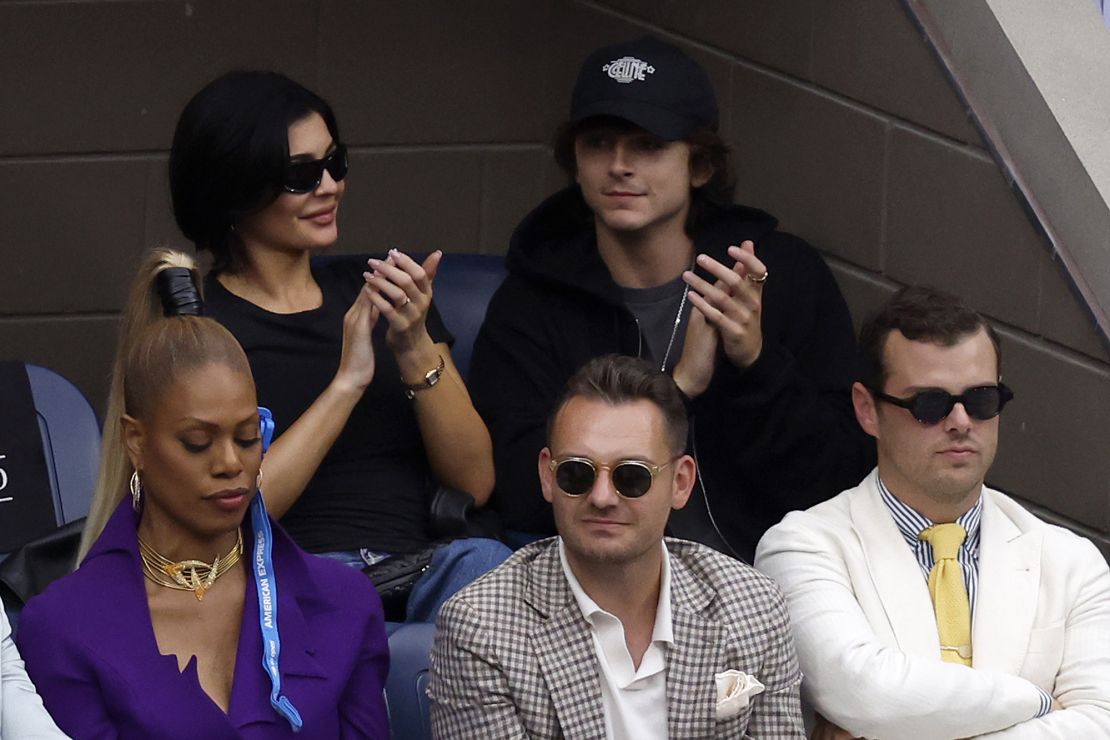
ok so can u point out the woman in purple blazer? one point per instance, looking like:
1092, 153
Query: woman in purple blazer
193, 615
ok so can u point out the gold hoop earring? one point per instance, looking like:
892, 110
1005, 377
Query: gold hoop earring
258, 481
136, 490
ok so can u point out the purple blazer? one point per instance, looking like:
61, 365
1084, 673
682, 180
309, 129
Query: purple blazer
89, 647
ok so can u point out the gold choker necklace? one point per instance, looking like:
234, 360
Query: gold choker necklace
188, 575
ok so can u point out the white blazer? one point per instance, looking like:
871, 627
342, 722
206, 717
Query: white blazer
22, 715
867, 637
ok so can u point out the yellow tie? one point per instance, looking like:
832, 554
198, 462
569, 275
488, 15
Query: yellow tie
946, 586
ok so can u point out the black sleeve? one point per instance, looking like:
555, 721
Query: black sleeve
785, 425
516, 376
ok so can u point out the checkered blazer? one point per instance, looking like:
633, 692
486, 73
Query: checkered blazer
513, 656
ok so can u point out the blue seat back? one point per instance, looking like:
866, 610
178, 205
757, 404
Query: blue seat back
410, 657
70, 440
463, 287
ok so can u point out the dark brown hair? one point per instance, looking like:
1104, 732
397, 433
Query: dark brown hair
617, 379
921, 314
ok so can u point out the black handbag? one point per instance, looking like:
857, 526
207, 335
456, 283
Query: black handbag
394, 578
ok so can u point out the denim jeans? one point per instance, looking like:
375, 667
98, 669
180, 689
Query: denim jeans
454, 564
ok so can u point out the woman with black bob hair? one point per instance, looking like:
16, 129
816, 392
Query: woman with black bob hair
350, 354
193, 615
230, 155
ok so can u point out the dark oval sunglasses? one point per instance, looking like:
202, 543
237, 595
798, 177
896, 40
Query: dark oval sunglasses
304, 177
631, 478
929, 407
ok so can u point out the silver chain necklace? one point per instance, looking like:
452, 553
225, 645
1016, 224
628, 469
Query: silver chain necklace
674, 329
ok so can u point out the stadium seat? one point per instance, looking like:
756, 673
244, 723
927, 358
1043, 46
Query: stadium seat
70, 438
463, 287
410, 651
70, 435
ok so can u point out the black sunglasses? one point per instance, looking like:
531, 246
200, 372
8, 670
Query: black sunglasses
982, 402
631, 478
304, 177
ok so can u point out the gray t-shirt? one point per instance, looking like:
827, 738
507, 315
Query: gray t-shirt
655, 310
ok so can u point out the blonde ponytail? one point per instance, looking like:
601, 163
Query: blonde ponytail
144, 308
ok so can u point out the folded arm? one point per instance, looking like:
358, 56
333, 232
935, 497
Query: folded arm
1082, 685
858, 682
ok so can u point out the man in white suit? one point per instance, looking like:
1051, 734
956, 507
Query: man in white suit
1002, 631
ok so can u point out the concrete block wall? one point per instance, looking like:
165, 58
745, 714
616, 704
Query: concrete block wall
842, 122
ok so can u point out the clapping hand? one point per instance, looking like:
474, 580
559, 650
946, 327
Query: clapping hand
733, 304
728, 311
401, 289
356, 359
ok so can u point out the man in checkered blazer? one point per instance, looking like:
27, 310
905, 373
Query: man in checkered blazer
610, 630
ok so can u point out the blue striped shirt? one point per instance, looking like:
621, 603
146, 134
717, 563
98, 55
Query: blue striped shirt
911, 524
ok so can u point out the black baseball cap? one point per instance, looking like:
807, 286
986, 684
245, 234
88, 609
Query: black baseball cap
649, 83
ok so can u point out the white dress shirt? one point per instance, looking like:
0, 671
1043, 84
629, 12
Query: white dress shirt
634, 699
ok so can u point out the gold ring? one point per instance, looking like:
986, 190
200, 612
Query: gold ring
758, 278
403, 303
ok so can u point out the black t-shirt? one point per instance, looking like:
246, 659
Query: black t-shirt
655, 310
372, 488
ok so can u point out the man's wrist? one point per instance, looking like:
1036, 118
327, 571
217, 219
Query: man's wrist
1046, 703
689, 388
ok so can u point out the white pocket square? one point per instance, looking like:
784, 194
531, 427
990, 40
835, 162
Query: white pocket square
734, 692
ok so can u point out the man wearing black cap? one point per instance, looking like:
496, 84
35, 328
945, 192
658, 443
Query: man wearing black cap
645, 255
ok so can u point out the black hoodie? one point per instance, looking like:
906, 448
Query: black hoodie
773, 437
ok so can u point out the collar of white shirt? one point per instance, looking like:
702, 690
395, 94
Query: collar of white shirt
609, 631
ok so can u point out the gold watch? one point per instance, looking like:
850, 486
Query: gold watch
430, 378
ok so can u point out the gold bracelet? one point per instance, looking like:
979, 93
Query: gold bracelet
430, 378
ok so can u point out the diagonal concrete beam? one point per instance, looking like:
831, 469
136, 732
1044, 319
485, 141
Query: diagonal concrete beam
1033, 75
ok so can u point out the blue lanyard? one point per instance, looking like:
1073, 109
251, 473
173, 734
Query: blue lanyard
266, 588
